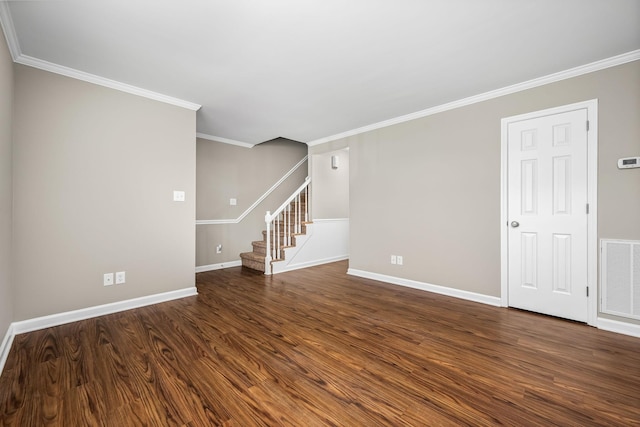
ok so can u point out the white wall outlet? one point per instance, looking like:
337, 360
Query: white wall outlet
399, 259
233, 202
219, 249
394, 259
178, 196
120, 277
108, 279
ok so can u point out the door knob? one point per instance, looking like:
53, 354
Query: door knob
515, 224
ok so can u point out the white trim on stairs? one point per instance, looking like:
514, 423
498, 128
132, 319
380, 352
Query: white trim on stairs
256, 203
443, 290
211, 267
313, 263
326, 240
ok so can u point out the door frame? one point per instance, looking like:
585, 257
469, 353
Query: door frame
592, 199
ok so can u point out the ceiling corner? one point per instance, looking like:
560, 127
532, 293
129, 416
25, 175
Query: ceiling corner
9, 30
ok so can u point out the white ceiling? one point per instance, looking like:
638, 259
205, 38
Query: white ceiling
309, 69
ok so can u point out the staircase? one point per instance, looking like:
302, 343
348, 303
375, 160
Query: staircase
287, 229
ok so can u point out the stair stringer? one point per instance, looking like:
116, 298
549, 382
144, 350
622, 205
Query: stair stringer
290, 252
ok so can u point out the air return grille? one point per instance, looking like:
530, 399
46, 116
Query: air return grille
620, 277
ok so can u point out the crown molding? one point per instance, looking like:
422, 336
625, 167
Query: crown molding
224, 140
16, 53
519, 87
9, 30
101, 81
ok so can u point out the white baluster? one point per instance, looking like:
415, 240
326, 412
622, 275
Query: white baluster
306, 203
267, 257
298, 211
278, 238
295, 215
287, 225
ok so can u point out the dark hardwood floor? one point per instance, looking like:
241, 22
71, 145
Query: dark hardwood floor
316, 347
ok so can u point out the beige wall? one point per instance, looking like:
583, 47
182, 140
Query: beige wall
330, 193
94, 174
410, 196
226, 171
6, 192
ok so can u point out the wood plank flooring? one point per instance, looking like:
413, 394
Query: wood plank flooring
316, 347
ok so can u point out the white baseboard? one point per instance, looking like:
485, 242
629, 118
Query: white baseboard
6, 346
313, 263
211, 267
99, 310
616, 326
443, 290
82, 314
619, 327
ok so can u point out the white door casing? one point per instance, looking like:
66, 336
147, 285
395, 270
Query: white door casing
548, 239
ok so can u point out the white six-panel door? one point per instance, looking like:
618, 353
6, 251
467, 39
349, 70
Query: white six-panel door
547, 214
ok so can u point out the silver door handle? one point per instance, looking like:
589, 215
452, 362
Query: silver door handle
515, 224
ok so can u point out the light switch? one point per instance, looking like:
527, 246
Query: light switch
178, 196
233, 202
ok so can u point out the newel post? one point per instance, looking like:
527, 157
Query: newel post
267, 256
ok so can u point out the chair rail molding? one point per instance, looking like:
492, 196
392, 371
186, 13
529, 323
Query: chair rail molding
256, 203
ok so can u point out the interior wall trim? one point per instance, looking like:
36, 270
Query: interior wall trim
224, 140
57, 319
99, 310
519, 87
16, 53
437, 289
616, 326
314, 263
220, 266
6, 346
101, 81
257, 202
9, 30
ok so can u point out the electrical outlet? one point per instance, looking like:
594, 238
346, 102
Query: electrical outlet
219, 249
108, 279
394, 259
233, 202
120, 277
399, 259
178, 196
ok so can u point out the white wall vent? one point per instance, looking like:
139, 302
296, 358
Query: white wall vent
620, 277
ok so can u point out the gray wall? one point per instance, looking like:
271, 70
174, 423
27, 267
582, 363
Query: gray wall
330, 195
409, 195
94, 171
6, 192
226, 171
